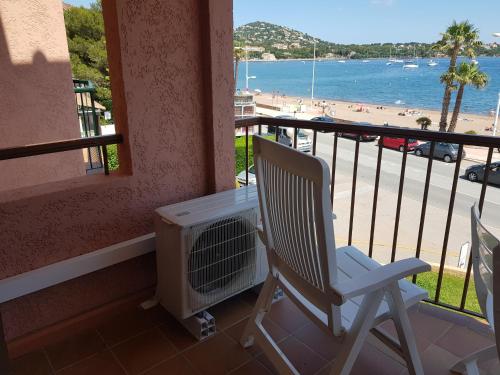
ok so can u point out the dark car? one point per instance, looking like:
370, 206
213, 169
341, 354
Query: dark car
448, 152
359, 136
324, 119
476, 173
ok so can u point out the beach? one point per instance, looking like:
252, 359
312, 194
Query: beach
365, 112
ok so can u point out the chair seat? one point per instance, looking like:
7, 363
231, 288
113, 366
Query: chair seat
352, 263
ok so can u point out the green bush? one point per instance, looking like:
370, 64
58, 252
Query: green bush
113, 163
239, 146
472, 132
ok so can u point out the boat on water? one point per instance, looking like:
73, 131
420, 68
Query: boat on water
432, 63
366, 61
410, 64
388, 63
341, 61
475, 62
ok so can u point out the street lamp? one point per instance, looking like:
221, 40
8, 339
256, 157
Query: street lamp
498, 104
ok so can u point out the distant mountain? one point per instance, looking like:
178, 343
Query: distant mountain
284, 42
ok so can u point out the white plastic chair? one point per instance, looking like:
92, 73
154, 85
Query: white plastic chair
486, 266
341, 290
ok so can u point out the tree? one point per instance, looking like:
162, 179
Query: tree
238, 56
87, 48
448, 79
424, 122
467, 74
459, 37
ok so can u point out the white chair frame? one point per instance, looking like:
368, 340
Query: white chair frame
486, 266
341, 290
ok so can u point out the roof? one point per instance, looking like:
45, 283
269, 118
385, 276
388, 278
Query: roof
83, 100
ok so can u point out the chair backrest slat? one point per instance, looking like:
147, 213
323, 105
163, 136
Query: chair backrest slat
298, 223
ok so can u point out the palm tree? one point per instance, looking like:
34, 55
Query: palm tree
238, 55
467, 74
459, 37
424, 122
448, 79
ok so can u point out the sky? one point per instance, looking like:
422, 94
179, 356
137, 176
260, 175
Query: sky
368, 21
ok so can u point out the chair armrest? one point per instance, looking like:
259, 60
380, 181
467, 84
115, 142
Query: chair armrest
380, 277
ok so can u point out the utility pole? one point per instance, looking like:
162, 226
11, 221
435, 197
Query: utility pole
313, 72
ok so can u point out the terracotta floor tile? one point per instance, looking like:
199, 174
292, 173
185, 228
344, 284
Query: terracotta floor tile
177, 334
102, 363
436, 361
461, 341
144, 351
276, 332
217, 355
253, 367
175, 366
325, 345
303, 359
74, 349
230, 312
35, 363
373, 361
126, 325
286, 315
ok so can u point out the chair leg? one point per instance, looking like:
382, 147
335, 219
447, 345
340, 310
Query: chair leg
404, 330
260, 309
356, 336
255, 330
468, 365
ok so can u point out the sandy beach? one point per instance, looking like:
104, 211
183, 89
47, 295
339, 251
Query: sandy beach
366, 112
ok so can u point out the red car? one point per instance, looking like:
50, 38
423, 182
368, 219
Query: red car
398, 143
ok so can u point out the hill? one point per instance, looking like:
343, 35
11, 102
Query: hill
285, 42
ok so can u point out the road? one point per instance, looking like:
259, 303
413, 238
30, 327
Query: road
437, 206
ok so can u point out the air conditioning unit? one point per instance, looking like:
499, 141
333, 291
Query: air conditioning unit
207, 250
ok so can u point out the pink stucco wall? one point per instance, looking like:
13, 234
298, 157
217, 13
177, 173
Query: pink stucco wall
169, 142
36, 96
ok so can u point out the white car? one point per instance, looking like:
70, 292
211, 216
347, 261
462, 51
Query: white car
241, 177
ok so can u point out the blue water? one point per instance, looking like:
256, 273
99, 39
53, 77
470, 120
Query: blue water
373, 82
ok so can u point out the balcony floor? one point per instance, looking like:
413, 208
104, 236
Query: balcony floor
152, 342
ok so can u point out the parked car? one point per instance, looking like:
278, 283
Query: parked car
476, 173
359, 136
398, 143
285, 136
241, 177
448, 152
324, 119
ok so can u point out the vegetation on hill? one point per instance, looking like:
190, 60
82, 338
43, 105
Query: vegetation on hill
87, 48
285, 43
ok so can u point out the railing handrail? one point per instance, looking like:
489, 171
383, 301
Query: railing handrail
88, 86
389, 131
59, 146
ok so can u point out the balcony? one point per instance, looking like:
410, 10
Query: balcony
448, 326
152, 342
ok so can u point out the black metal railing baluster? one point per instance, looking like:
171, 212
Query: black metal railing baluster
424, 204
448, 222
353, 191
334, 167
400, 198
315, 139
295, 131
246, 155
260, 129
375, 195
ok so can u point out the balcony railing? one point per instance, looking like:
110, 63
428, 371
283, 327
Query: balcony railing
100, 142
89, 120
256, 125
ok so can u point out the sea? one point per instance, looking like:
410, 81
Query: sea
371, 82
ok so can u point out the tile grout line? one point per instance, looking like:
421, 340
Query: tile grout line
108, 348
